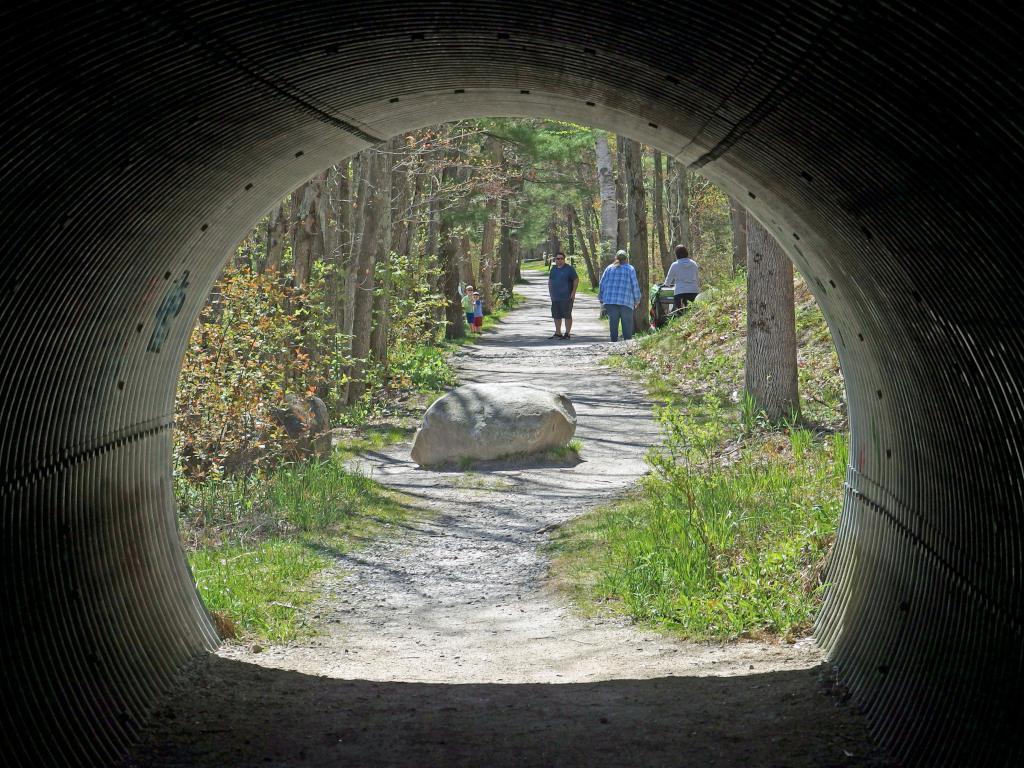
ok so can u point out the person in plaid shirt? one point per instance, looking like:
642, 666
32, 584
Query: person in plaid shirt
619, 292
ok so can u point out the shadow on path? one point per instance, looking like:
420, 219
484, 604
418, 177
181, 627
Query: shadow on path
254, 716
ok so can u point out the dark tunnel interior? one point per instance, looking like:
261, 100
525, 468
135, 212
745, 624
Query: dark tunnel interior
879, 142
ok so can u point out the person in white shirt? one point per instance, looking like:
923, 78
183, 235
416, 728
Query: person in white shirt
682, 276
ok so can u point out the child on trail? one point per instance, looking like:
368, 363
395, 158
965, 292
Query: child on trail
478, 313
467, 304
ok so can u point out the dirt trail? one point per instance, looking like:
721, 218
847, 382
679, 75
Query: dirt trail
438, 642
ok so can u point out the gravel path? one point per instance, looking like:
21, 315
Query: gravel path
441, 643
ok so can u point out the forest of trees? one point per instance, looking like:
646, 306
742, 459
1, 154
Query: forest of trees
364, 261
469, 201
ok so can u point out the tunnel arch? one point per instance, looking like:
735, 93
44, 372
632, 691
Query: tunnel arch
879, 143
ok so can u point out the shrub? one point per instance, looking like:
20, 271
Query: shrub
258, 339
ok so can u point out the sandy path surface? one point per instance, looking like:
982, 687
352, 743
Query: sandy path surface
443, 645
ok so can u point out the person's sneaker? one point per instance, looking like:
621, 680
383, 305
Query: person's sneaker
566, 336
556, 336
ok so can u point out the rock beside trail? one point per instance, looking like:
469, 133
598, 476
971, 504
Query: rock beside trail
489, 421
306, 422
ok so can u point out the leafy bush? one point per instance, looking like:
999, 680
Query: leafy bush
260, 338
257, 340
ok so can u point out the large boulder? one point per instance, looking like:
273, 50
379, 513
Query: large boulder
488, 421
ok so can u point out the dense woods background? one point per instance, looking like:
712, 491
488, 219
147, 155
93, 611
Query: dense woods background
346, 289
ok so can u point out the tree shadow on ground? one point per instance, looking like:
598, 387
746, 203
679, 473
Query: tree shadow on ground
230, 713
549, 460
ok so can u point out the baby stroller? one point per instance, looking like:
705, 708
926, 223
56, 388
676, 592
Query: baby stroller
662, 305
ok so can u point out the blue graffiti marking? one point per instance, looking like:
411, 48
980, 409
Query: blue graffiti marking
173, 301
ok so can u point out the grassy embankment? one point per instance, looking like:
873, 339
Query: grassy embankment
256, 543
728, 535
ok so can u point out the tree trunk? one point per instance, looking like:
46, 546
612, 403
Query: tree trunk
632, 160
515, 246
382, 255
464, 258
509, 246
448, 262
570, 230
508, 273
487, 260
374, 209
494, 152
621, 205
360, 168
436, 279
411, 244
556, 243
308, 238
588, 260
338, 241
738, 218
659, 214
771, 375
401, 189
592, 227
487, 256
609, 210
277, 232
679, 215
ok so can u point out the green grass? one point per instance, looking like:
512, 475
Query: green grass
260, 588
728, 535
712, 551
254, 544
571, 449
372, 438
703, 351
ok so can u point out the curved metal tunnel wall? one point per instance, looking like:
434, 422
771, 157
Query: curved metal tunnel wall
879, 142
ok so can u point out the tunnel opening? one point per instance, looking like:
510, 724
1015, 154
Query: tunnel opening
247, 493
924, 625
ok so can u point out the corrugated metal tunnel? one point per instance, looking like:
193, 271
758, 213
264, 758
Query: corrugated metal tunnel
880, 143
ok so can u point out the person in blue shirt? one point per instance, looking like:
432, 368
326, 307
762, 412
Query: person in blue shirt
477, 326
562, 284
619, 293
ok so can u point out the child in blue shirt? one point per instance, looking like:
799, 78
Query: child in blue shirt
478, 313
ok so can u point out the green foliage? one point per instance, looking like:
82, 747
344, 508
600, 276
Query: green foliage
254, 542
713, 549
261, 338
729, 534
310, 497
319, 496
703, 352
261, 588
257, 340
710, 229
